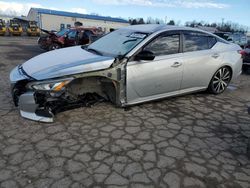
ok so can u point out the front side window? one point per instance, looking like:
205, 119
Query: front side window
164, 45
72, 34
197, 42
62, 32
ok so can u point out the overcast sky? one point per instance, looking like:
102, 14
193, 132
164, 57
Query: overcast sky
179, 10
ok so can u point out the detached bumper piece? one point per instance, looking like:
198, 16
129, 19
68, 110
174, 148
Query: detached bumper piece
39, 107
30, 110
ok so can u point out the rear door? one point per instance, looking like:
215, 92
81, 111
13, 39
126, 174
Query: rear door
200, 60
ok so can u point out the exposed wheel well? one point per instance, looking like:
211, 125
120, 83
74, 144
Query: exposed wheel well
102, 86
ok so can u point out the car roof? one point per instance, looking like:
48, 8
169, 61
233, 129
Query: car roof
151, 28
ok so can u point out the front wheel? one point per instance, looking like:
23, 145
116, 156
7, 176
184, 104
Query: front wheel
220, 80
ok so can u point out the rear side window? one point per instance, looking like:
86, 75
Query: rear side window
165, 45
211, 41
197, 42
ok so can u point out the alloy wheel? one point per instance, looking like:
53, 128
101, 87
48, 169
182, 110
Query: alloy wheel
221, 79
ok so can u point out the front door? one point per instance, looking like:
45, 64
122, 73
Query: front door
148, 80
70, 40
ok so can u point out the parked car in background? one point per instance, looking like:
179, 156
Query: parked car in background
15, 28
68, 37
128, 66
238, 38
224, 35
33, 29
2, 28
246, 57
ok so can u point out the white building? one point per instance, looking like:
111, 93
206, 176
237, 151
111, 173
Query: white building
6, 18
57, 20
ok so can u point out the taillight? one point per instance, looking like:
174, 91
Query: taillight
242, 52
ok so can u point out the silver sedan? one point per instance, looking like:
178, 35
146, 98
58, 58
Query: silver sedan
131, 65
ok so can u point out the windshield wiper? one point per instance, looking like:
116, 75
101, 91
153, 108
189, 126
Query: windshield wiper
93, 50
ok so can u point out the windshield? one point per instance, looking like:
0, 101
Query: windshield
62, 32
118, 42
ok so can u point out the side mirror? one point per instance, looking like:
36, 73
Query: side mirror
145, 55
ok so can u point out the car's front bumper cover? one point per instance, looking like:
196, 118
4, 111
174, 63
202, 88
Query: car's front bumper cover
28, 108
26, 100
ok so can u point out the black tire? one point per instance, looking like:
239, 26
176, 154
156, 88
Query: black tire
54, 46
220, 80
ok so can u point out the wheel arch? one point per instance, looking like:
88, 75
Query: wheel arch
103, 86
220, 67
230, 68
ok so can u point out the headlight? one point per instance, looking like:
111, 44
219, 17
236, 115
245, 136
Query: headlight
56, 85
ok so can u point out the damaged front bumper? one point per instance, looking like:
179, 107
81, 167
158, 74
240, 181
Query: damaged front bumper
30, 109
41, 100
42, 107
25, 100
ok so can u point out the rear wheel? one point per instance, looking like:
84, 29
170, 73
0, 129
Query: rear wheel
54, 46
220, 80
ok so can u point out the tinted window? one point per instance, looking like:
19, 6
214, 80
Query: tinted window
164, 45
72, 34
211, 41
62, 32
197, 41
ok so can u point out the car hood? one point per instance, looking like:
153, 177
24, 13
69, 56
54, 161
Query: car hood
63, 62
48, 32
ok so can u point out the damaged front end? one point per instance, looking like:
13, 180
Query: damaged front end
41, 100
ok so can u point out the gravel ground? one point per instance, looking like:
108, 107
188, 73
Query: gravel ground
197, 140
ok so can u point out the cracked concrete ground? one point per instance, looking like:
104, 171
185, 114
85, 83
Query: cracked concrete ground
197, 140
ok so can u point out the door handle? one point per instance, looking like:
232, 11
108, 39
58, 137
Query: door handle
215, 55
176, 64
